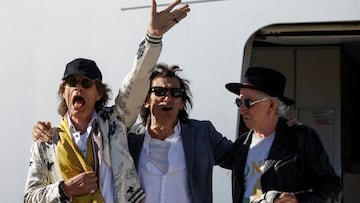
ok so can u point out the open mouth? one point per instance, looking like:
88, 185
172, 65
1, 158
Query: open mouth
78, 101
166, 108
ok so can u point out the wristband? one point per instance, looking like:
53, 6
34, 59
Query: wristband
62, 193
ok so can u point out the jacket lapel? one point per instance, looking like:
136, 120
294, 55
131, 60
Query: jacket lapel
282, 145
103, 140
241, 152
188, 139
135, 146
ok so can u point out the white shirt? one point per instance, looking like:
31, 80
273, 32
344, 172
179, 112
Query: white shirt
106, 177
255, 162
164, 177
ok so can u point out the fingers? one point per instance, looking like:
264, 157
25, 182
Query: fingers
92, 191
184, 8
81, 184
43, 126
47, 124
91, 181
153, 7
180, 17
162, 21
41, 132
286, 197
180, 13
172, 5
89, 174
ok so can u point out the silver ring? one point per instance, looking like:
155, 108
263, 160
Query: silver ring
176, 20
92, 191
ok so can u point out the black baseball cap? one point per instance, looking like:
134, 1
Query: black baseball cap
83, 67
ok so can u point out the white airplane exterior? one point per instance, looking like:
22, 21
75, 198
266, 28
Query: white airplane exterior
314, 43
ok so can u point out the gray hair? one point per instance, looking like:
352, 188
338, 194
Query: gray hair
281, 107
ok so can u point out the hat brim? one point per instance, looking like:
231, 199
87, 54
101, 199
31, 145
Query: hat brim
235, 88
78, 74
287, 101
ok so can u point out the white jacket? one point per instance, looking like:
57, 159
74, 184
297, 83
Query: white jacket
42, 184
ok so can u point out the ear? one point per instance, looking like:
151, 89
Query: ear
100, 94
273, 106
147, 103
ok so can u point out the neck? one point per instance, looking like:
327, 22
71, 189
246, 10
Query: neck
161, 130
80, 122
266, 129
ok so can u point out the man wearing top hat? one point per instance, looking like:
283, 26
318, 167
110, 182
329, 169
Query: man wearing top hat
87, 160
274, 162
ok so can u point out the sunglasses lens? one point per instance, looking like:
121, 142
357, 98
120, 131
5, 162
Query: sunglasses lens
71, 81
159, 91
238, 102
247, 102
176, 92
86, 83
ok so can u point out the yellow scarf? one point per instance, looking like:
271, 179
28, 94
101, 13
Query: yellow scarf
71, 162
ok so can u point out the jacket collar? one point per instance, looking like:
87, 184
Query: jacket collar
282, 145
188, 139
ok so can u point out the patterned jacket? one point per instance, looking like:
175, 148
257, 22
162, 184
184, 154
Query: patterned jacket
42, 184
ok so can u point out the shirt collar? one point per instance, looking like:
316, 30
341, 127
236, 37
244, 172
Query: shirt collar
90, 124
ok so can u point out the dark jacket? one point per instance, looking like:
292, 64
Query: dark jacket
297, 162
204, 147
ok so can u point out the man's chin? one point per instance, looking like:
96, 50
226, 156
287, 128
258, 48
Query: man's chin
75, 111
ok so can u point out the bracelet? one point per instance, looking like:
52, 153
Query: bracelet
62, 193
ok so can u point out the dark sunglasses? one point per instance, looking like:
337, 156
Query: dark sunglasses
161, 91
248, 103
73, 81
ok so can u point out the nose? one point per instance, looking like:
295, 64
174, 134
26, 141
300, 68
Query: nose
78, 85
243, 109
168, 96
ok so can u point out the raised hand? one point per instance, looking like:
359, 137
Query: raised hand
161, 22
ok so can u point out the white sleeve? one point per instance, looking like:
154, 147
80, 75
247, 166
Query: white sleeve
38, 186
134, 87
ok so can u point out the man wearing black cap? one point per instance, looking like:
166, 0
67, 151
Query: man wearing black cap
86, 159
274, 162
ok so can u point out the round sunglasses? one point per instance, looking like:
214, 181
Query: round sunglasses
248, 103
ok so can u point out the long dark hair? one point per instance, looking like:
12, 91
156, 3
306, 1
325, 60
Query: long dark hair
164, 70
